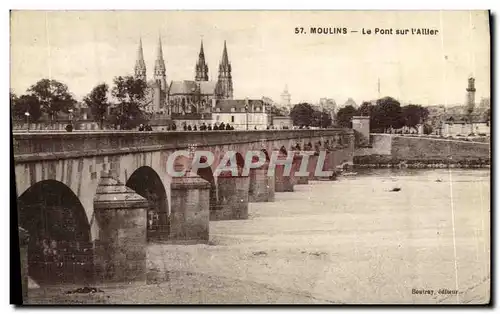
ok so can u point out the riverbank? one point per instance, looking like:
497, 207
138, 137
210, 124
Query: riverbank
385, 161
394, 151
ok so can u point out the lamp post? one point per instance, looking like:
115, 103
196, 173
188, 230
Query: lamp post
246, 114
27, 114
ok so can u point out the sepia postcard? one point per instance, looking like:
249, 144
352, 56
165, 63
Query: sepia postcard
251, 157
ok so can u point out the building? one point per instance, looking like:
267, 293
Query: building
470, 100
329, 105
459, 125
350, 102
187, 96
242, 114
157, 87
286, 99
281, 122
456, 121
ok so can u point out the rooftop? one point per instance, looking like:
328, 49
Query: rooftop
238, 105
189, 87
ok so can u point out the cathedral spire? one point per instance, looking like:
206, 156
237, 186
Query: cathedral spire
202, 53
225, 59
140, 65
159, 53
201, 69
160, 74
224, 87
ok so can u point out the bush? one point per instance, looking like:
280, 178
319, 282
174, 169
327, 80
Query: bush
427, 129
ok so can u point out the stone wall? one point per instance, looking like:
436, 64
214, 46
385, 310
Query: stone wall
381, 144
56, 126
393, 149
80, 144
410, 148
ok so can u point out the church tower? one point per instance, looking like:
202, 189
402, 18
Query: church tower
286, 98
160, 75
201, 66
224, 87
140, 65
471, 93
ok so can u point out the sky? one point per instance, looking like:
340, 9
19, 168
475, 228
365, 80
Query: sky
85, 48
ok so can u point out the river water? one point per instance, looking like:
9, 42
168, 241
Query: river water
354, 241
346, 241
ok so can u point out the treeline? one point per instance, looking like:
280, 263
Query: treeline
386, 114
124, 109
305, 115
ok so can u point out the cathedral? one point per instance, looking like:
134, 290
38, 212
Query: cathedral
187, 96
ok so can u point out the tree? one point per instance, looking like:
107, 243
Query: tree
130, 94
321, 119
414, 115
487, 116
366, 109
276, 111
387, 114
484, 103
302, 114
13, 98
427, 129
13, 104
344, 116
23, 104
97, 101
129, 89
53, 97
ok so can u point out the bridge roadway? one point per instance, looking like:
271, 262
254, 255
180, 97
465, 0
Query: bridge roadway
110, 191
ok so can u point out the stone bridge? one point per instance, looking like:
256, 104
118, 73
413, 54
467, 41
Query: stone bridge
103, 195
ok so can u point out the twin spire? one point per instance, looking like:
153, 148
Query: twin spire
140, 65
201, 69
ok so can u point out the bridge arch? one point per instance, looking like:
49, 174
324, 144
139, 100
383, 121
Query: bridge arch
60, 249
146, 182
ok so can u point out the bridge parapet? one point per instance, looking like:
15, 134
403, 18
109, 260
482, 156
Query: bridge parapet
60, 145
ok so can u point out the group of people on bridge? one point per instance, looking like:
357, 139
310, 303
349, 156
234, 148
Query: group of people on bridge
146, 127
208, 127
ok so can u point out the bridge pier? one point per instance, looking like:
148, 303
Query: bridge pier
189, 219
298, 159
232, 197
261, 186
330, 160
120, 250
311, 167
283, 183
